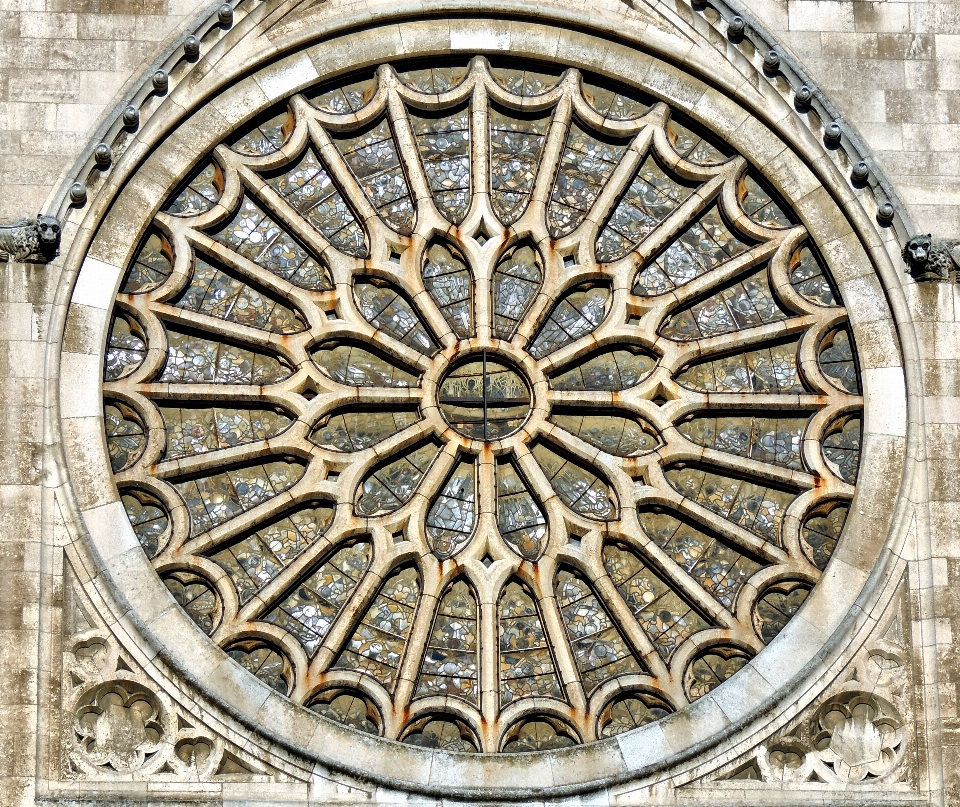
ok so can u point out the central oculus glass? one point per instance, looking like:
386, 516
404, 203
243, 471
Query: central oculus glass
484, 399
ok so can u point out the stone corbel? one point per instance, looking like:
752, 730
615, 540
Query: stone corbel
30, 240
930, 259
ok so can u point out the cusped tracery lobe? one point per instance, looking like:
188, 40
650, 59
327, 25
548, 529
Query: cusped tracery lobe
365, 409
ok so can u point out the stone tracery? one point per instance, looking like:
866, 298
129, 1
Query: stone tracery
302, 308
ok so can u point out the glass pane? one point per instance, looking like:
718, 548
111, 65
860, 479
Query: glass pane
631, 712
767, 439
347, 98
615, 434
197, 599
652, 196
767, 370
526, 665
390, 487
148, 518
837, 362
349, 709
383, 307
484, 400
582, 491
216, 293
538, 735
357, 367
152, 265
664, 616
447, 735
126, 437
355, 430
693, 147
452, 517
752, 506
308, 188
212, 500
193, 431
776, 607
516, 282
758, 203
375, 163
377, 645
821, 531
516, 145
451, 664
613, 105
810, 278
579, 313
450, 285
264, 662
444, 146
200, 195
196, 360
711, 669
718, 567
435, 80
266, 137
609, 371
841, 447
585, 167
126, 348
520, 518
258, 238
705, 244
598, 648
526, 83
742, 305
259, 558
312, 607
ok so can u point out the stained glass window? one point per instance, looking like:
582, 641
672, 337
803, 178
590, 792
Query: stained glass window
427, 334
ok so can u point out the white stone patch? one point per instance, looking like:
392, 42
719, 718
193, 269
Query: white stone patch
886, 401
96, 284
289, 75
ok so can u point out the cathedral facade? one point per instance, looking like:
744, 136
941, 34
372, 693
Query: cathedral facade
480, 402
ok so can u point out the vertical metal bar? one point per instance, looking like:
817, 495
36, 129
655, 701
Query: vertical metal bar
486, 436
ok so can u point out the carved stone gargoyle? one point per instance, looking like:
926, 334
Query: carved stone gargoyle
930, 259
30, 240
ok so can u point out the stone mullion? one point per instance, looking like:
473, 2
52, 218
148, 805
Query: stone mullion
561, 650
277, 207
742, 537
712, 347
553, 147
621, 178
654, 309
489, 637
480, 143
286, 345
408, 151
344, 180
640, 644
304, 300
265, 512
691, 209
290, 441
411, 663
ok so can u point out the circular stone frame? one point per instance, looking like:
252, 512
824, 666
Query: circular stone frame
246, 72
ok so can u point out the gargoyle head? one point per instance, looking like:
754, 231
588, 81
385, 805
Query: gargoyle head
916, 253
48, 230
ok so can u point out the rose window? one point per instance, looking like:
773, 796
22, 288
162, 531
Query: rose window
483, 407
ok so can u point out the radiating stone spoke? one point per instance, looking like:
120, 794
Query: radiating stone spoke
486, 388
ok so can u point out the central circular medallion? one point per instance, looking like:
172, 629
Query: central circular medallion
483, 398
